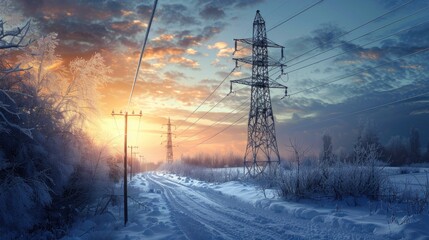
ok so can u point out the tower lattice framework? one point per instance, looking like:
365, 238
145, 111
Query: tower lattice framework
169, 145
261, 151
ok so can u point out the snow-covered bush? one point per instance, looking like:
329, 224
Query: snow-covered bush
361, 177
202, 173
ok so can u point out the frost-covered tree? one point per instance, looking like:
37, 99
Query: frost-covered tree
366, 140
327, 156
48, 175
415, 154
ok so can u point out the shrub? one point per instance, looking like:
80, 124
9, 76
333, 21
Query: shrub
361, 177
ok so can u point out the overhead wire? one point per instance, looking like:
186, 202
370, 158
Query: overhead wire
223, 130
223, 118
368, 109
142, 51
215, 105
295, 15
354, 29
363, 45
361, 71
361, 36
214, 90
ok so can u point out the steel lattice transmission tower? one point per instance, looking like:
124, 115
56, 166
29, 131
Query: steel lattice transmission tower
261, 152
169, 145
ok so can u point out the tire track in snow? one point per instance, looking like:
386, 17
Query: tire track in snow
203, 213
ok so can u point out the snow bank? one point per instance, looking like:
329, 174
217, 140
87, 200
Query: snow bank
355, 214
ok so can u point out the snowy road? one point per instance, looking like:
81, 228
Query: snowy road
203, 213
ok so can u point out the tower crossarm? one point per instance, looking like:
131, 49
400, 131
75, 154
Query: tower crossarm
259, 62
248, 81
264, 42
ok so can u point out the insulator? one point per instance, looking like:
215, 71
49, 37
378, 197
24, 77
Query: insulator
282, 53
133, 112
235, 45
113, 112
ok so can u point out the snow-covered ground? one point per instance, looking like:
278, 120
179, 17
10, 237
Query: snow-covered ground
167, 206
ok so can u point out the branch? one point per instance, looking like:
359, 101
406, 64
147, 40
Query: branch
14, 38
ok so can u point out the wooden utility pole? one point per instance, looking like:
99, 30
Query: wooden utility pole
142, 157
131, 161
126, 115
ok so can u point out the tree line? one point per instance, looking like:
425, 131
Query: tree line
398, 150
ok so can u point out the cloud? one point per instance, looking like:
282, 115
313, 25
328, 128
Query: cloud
230, 3
212, 13
191, 51
186, 38
224, 51
176, 14
164, 38
218, 45
185, 62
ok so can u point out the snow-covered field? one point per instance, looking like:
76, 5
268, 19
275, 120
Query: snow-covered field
167, 206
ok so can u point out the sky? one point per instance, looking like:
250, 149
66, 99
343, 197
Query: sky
348, 62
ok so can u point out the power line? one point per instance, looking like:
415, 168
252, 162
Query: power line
226, 128
354, 29
208, 112
361, 71
203, 115
295, 15
223, 118
142, 51
339, 54
368, 109
229, 74
366, 34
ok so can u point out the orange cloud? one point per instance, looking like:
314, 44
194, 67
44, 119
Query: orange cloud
164, 37
218, 45
185, 62
224, 51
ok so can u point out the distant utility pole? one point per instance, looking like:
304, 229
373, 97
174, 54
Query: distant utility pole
126, 115
141, 157
136, 167
131, 161
169, 145
261, 150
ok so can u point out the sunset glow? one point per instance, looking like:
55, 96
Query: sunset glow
189, 53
